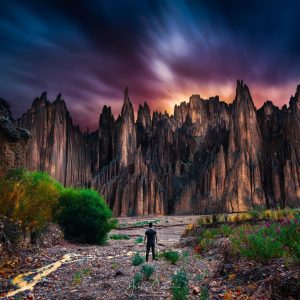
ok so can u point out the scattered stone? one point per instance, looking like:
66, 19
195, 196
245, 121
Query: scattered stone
196, 290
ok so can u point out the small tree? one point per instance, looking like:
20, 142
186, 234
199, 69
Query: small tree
84, 216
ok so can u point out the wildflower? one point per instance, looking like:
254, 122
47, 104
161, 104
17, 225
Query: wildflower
267, 224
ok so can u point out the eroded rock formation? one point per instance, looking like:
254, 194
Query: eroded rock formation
208, 157
57, 146
13, 140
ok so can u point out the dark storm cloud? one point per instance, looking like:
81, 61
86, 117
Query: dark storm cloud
163, 50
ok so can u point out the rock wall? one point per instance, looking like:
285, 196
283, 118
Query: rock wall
208, 157
57, 146
13, 141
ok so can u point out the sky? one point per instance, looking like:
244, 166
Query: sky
164, 51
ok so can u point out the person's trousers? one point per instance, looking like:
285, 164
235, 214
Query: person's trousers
148, 250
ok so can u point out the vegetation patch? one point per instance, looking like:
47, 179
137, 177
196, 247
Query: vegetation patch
29, 198
84, 216
34, 200
119, 237
255, 214
204, 293
180, 285
147, 271
77, 278
171, 256
137, 281
137, 224
260, 242
139, 240
137, 259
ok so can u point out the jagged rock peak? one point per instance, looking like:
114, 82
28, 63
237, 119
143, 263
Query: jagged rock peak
126, 96
243, 95
268, 108
58, 98
127, 108
242, 91
146, 106
106, 111
194, 100
144, 117
8, 126
4, 109
40, 101
106, 116
295, 100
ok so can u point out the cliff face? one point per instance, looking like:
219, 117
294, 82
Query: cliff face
208, 157
13, 140
56, 147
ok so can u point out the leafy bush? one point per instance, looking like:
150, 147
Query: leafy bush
171, 256
137, 280
139, 240
84, 216
147, 271
29, 197
180, 285
137, 259
119, 237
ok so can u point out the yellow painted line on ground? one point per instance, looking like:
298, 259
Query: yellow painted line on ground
23, 285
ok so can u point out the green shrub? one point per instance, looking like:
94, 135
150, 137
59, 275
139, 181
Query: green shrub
119, 237
29, 197
271, 240
211, 233
254, 214
204, 293
147, 271
185, 254
225, 230
84, 216
171, 256
139, 240
137, 259
261, 248
137, 280
180, 285
205, 244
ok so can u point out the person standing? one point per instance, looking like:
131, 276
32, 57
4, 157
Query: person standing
150, 239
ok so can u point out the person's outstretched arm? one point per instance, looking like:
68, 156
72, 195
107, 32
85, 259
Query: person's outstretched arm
145, 238
156, 238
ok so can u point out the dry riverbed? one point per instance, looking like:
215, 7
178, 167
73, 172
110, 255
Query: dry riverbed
70, 271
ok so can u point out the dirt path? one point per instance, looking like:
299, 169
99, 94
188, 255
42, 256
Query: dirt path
95, 272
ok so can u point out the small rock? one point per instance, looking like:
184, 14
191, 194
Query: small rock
119, 273
30, 296
196, 290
